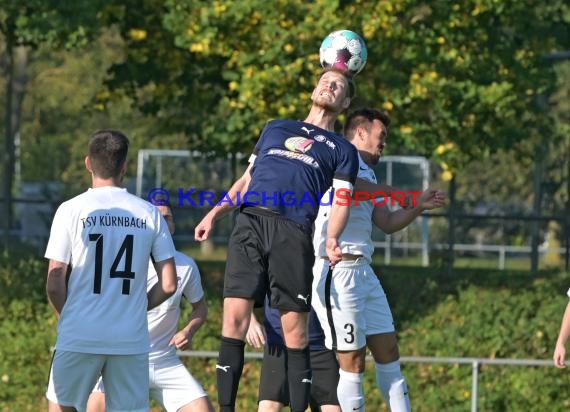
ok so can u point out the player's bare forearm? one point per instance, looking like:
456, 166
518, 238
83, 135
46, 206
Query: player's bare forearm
565, 326
338, 218
56, 285
183, 338
197, 317
381, 190
559, 356
339, 214
223, 208
156, 295
166, 285
393, 221
203, 229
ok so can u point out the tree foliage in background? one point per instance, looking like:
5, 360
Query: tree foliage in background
466, 73
461, 80
25, 26
178, 89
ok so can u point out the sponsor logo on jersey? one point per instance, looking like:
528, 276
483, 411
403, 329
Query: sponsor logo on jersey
299, 144
323, 139
292, 155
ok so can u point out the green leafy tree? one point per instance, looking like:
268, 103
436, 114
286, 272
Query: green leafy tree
23, 27
177, 88
465, 72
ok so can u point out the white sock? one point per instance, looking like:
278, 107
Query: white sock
393, 386
350, 392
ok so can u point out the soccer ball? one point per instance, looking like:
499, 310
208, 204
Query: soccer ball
343, 50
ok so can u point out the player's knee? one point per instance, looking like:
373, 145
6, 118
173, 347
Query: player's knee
352, 361
391, 353
385, 349
269, 406
296, 339
235, 327
295, 336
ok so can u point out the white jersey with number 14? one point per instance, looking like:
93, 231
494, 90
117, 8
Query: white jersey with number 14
107, 235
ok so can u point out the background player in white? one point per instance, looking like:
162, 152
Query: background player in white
106, 236
560, 348
170, 382
349, 300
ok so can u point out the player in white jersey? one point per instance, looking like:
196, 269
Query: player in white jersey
106, 237
559, 356
170, 382
349, 300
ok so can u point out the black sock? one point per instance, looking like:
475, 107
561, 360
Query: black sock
228, 372
299, 377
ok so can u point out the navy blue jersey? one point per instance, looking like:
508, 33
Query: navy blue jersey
295, 165
274, 333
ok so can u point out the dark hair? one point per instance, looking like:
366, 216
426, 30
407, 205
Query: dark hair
108, 152
349, 78
363, 118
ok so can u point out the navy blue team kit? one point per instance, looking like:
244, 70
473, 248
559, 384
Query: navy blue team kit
270, 247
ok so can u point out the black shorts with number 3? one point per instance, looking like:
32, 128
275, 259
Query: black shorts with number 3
269, 252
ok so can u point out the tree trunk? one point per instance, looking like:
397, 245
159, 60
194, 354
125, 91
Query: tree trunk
16, 78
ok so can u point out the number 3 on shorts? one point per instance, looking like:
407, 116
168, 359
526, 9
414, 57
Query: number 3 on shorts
349, 328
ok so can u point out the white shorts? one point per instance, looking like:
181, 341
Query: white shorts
73, 375
350, 303
170, 384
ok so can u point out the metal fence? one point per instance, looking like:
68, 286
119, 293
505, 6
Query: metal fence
433, 235
474, 362
500, 250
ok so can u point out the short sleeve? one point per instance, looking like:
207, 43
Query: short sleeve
163, 246
59, 244
347, 169
193, 290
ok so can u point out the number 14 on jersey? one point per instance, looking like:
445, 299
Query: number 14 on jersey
126, 274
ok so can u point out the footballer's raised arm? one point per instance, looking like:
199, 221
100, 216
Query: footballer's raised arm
206, 225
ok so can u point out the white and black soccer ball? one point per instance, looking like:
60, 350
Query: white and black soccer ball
343, 50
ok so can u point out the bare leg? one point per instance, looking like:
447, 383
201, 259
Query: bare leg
237, 313
269, 406
96, 402
202, 404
